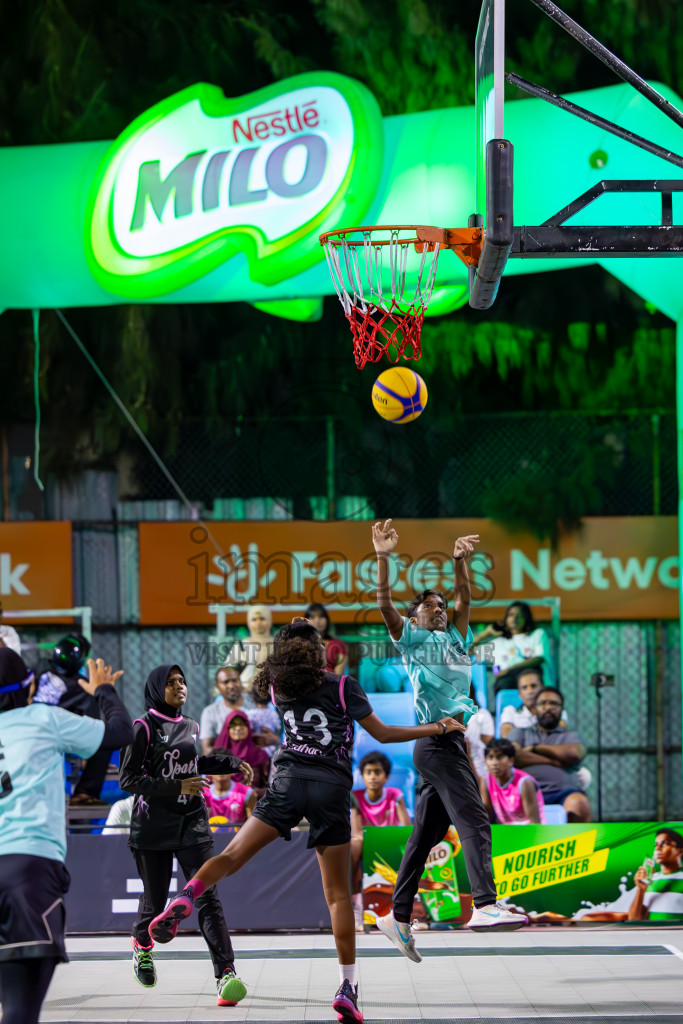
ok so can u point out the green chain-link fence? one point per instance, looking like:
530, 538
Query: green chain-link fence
326, 466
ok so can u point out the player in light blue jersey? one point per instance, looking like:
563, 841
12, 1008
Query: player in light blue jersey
435, 654
33, 878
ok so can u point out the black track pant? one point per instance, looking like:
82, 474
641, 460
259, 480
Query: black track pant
450, 795
23, 986
155, 868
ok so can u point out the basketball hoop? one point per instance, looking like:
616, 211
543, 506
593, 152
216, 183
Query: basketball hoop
384, 277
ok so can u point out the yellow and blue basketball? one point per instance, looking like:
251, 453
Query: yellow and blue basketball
399, 394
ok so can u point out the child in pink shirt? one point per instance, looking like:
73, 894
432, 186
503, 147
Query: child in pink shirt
512, 794
377, 804
228, 799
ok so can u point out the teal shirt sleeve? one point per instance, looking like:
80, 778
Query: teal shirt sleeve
407, 636
78, 735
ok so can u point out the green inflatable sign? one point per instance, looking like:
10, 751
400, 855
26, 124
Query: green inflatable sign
210, 199
199, 178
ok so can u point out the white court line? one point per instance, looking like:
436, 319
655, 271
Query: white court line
673, 949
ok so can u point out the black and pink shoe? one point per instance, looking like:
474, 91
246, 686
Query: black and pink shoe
164, 927
346, 1002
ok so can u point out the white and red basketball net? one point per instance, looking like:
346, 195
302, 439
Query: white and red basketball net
384, 287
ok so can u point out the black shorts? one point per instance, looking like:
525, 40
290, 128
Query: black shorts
32, 916
325, 805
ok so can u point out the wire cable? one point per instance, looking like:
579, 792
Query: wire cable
140, 433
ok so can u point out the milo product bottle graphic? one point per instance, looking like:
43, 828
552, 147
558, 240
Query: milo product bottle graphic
438, 886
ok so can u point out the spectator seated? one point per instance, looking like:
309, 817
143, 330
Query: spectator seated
403, 777
503, 698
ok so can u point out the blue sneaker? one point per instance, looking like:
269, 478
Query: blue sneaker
406, 943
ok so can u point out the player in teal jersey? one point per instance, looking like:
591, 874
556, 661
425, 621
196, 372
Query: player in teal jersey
435, 654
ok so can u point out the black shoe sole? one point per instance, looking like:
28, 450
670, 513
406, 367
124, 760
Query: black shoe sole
165, 931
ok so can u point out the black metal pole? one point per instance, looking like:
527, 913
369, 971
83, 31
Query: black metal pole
599, 122
609, 59
598, 772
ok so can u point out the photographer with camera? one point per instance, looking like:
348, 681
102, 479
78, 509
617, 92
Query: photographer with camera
552, 754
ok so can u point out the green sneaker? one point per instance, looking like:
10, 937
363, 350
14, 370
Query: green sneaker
143, 965
231, 989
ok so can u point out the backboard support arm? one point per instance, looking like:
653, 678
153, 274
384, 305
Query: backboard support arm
600, 122
609, 59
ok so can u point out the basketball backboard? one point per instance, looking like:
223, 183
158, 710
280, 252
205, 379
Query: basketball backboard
491, 238
489, 90
494, 166
493, 156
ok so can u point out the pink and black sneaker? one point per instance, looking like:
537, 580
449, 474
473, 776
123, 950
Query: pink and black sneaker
346, 1002
164, 927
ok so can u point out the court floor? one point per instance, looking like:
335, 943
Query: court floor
542, 975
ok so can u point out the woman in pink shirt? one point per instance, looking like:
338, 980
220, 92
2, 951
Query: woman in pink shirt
513, 795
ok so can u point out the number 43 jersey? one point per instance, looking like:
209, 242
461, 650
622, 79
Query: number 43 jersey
319, 730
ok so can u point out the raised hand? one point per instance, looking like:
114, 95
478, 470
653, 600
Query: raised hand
464, 546
99, 675
384, 537
452, 725
247, 773
640, 878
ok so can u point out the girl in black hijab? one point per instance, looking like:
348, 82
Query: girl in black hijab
163, 771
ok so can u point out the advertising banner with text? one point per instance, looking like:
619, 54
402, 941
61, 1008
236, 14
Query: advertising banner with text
35, 567
608, 872
612, 568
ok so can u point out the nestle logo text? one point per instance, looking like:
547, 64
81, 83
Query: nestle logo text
276, 123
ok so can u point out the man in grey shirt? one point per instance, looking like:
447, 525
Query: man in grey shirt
551, 754
263, 721
213, 716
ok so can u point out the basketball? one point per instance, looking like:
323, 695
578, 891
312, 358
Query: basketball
399, 394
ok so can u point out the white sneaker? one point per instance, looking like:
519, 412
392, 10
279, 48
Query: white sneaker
495, 915
387, 926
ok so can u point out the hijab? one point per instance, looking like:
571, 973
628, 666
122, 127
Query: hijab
261, 642
15, 680
245, 749
155, 691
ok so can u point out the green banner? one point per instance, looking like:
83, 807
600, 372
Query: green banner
554, 873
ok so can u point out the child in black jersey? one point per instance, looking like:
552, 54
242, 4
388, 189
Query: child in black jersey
313, 780
161, 768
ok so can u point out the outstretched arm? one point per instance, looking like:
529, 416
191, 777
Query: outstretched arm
385, 539
464, 547
384, 733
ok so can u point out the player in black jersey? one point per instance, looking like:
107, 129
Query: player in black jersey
313, 780
162, 769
